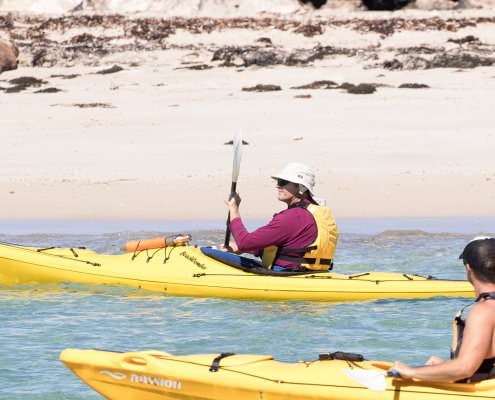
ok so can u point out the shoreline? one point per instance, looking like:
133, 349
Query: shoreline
401, 227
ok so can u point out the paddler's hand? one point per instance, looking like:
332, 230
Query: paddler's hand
405, 371
233, 205
233, 201
231, 248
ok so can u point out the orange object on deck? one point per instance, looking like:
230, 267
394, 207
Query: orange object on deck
156, 243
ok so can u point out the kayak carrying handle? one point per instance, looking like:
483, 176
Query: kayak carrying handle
135, 362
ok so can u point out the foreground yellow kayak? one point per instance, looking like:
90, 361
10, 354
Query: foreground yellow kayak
205, 272
154, 375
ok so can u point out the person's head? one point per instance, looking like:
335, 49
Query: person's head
296, 181
479, 255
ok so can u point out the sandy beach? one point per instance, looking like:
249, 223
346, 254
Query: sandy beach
127, 116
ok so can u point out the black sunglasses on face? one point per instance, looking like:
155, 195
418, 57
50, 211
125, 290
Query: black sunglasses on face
282, 182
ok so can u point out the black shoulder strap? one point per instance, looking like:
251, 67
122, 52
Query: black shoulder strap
458, 333
459, 323
486, 296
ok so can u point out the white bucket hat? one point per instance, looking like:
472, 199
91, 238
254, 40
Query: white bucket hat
298, 173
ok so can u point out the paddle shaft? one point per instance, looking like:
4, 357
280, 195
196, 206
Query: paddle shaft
237, 142
233, 188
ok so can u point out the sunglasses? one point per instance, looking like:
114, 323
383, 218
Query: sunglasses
282, 182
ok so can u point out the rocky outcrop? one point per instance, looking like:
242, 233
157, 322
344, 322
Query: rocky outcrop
8, 55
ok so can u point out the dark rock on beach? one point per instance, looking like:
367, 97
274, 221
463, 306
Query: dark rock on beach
150, 29
346, 86
236, 56
245, 56
111, 70
318, 85
464, 60
362, 88
197, 67
303, 96
262, 88
40, 59
93, 105
23, 83
426, 50
48, 90
310, 30
264, 41
413, 86
460, 60
393, 64
470, 39
65, 76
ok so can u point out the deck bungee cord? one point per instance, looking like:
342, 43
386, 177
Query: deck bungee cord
75, 255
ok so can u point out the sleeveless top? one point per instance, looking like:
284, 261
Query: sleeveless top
488, 365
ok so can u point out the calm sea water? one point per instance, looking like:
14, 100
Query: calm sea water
38, 322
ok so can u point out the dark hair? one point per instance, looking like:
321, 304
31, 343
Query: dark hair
307, 195
480, 255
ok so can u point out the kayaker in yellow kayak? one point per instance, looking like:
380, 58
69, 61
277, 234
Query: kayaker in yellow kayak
473, 347
302, 237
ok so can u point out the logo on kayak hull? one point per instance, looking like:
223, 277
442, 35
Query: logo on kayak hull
155, 381
193, 259
144, 379
114, 375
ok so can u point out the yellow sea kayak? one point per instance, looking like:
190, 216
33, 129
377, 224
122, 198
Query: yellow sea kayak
154, 375
205, 272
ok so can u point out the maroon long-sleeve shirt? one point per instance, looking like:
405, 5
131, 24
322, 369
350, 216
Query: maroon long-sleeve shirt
294, 227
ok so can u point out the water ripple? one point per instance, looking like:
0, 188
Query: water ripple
39, 321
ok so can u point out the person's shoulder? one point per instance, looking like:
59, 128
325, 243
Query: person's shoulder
482, 312
487, 306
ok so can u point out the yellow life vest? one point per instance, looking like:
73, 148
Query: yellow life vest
318, 255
